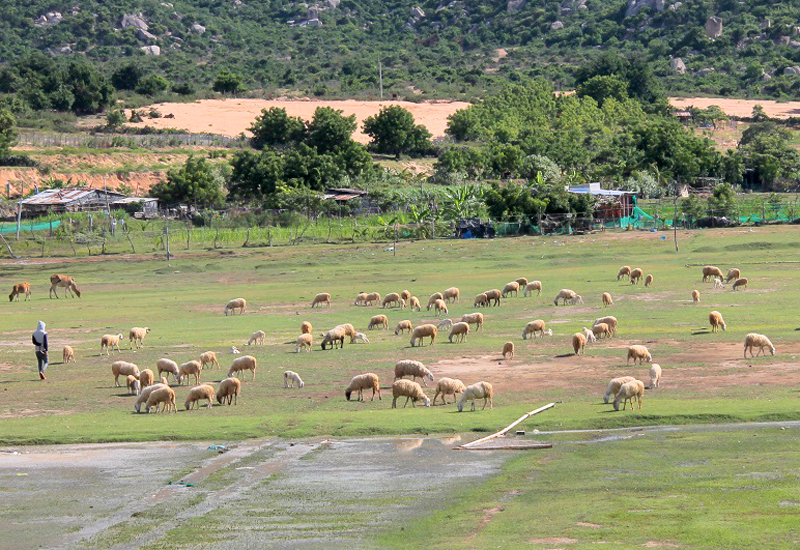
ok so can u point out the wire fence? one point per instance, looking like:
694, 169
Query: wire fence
108, 141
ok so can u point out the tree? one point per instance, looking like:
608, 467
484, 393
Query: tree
393, 132
115, 118
602, 87
197, 183
766, 150
127, 77
255, 176
722, 201
227, 82
330, 130
275, 128
90, 88
8, 133
151, 85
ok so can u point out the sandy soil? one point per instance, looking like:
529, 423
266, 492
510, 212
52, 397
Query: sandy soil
740, 107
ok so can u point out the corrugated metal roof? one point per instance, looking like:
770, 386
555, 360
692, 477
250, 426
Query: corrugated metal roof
58, 196
595, 189
131, 200
342, 196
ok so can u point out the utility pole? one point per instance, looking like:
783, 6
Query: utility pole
380, 77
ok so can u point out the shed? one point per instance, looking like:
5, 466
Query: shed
343, 194
613, 203
68, 200
147, 207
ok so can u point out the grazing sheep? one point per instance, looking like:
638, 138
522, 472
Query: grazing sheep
564, 294
718, 283
716, 321
624, 271
229, 390
439, 306
164, 397
733, 274
146, 378
578, 342
759, 341
448, 386
508, 350
233, 305
203, 391
513, 286
336, 334
243, 363
306, 328
712, 272
655, 376
360, 299
378, 321
601, 329
292, 379
19, 289
359, 338
611, 321
629, 390
481, 300
532, 328
473, 319
589, 335
530, 287
349, 330
638, 353
190, 368
123, 368
164, 381
614, 385
67, 354
648, 281
136, 336
451, 294
409, 390
234, 350
740, 282
364, 382
67, 283
479, 390
421, 332
607, 301
169, 366
209, 358
494, 296
390, 299
304, 342
636, 274
144, 394
405, 295
257, 338
110, 341
133, 384
403, 326
413, 303
433, 297
414, 369
460, 331
321, 298
522, 282
445, 324
372, 297
696, 296
577, 299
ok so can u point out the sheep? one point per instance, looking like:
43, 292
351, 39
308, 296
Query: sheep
304, 342
414, 369
432, 299
421, 332
169, 366
364, 382
133, 384
146, 378
336, 334
136, 336
360, 299
451, 294
578, 342
123, 368
379, 321
109, 342
711, 272
648, 281
513, 286
624, 271
614, 385
190, 368
473, 319
716, 321
413, 303
494, 296
402, 326
564, 294
479, 390
203, 391
696, 296
233, 305
718, 283
18, 290
306, 327
611, 321
234, 350
349, 330
144, 394
209, 358
530, 287
360, 337
532, 328
321, 298
740, 282
577, 299
257, 338
229, 390
460, 331
67, 354
439, 306
164, 397
733, 274
638, 353
409, 390
481, 300
508, 350
164, 381
607, 300
405, 295
243, 363
589, 335
448, 386
601, 329
291, 378
629, 390
655, 376
391, 298
522, 282
636, 274
445, 324
759, 341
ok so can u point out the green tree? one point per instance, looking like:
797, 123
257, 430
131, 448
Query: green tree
394, 132
602, 87
115, 118
255, 176
227, 82
127, 77
91, 89
197, 183
275, 128
722, 201
330, 130
151, 85
766, 150
8, 132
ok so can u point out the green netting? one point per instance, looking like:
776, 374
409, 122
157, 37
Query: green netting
12, 227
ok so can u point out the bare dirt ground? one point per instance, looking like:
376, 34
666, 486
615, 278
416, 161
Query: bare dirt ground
740, 107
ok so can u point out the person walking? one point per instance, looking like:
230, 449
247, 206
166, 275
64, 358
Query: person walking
39, 340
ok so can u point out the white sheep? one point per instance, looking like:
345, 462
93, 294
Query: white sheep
655, 376
589, 335
716, 321
364, 382
203, 391
378, 321
564, 294
321, 298
169, 366
627, 392
336, 334
190, 368
451, 294
403, 326
413, 304
233, 305
759, 341
533, 327
392, 299
291, 378
473, 319
459, 331
109, 342
409, 390
577, 299
578, 342
421, 332
448, 386
614, 385
132, 384
229, 390
481, 300
639, 354
243, 363
530, 287
359, 338
123, 368
234, 350
144, 394
209, 358
611, 321
445, 324
67, 354
512, 287
257, 338
164, 397
304, 342
718, 283
479, 390
414, 369
136, 336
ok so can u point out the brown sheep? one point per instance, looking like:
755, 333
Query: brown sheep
473, 319
306, 327
164, 397
481, 300
146, 378
695, 296
209, 358
364, 382
513, 286
640, 354
607, 301
648, 281
229, 390
636, 274
600, 330
627, 392
711, 272
390, 299
403, 326
433, 297
321, 298
578, 342
740, 282
67, 283
19, 289
508, 350
243, 363
413, 304
624, 271
405, 295
190, 368
110, 341
440, 306
448, 386
421, 332
136, 336
716, 321
67, 354
494, 296
459, 331
530, 287
123, 368
233, 305
409, 390
522, 282
336, 334
372, 297
203, 391
533, 327
451, 294
379, 321
733, 274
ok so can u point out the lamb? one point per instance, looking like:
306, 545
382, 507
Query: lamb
67, 354
405, 295
145, 394
611, 321
624, 271
413, 303
636, 274
136, 335
445, 324
601, 329
648, 281
190, 368
257, 338
123, 368
243, 363
627, 392
169, 366
392, 298
718, 283
522, 282
164, 397
146, 378
209, 358
321, 298
234, 350
508, 350
473, 319
432, 300
336, 334
578, 342
291, 378
360, 299
655, 376
733, 274
589, 335
716, 321
403, 326
164, 381
577, 299
638, 353
607, 301
306, 328
759, 341
414, 369
711, 272
203, 391
460, 331
359, 338
304, 342
364, 382
233, 305
479, 390
372, 297
530, 287
448, 386
532, 328
481, 300
409, 390
421, 332
133, 384
564, 294
229, 390
109, 342
19, 289
494, 296
439, 306
740, 282
379, 321
513, 286
451, 294
696, 296
614, 385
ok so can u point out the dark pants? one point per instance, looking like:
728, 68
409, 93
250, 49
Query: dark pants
42, 358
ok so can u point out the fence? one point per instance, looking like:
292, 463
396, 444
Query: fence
107, 141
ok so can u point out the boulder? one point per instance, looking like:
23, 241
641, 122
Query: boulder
151, 50
417, 13
333, 4
514, 5
794, 70
135, 20
714, 27
556, 25
635, 6
765, 77
678, 65
199, 29
705, 72
144, 35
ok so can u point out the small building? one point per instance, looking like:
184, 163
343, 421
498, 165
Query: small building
138, 207
611, 204
78, 199
684, 116
344, 194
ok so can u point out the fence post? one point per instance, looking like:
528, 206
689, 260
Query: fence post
763, 211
